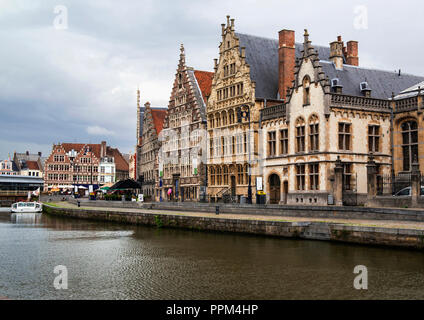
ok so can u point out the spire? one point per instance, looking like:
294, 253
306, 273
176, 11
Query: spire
138, 98
306, 36
182, 54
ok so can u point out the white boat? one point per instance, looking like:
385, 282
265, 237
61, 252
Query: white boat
19, 207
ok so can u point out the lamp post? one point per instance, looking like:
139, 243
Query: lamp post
244, 113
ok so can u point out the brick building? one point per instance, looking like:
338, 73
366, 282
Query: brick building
75, 164
151, 125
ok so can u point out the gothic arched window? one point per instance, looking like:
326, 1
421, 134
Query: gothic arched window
313, 133
306, 90
409, 144
300, 135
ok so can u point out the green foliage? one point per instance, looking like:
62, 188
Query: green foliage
158, 222
113, 197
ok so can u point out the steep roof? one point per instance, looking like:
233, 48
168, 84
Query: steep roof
204, 80
262, 56
158, 115
382, 83
411, 91
27, 157
95, 148
32, 165
120, 163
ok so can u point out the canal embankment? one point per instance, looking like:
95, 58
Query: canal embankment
307, 211
395, 233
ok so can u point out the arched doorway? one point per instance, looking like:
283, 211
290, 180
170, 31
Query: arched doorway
274, 189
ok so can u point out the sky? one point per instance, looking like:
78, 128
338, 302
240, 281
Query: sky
69, 69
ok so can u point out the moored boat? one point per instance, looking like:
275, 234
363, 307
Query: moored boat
19, 207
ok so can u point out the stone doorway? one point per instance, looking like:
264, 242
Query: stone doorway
274, 189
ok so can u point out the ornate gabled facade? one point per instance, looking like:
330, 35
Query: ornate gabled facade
183, 166
244, 81
82, 164
147, 161
336, 118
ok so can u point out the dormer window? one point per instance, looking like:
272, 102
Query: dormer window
336, 85
306, 91
365, 89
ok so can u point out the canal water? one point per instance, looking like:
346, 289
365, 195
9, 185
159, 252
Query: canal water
112, 261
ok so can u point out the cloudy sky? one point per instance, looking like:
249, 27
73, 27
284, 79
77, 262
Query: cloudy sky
71, 75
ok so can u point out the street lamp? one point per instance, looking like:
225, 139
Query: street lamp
244, 113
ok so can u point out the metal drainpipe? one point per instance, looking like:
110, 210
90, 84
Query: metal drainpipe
392, 148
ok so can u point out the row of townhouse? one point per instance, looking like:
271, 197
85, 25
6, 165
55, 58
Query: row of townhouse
280, 117
79, 164
23, 164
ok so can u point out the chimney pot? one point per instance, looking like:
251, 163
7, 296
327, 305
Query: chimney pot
352, 53
336, 53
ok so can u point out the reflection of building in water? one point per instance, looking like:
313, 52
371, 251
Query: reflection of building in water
26, 218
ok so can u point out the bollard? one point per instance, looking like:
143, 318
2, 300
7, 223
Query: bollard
217, 209
79, 204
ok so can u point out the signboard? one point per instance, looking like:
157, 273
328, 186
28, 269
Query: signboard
141, 197
160, 169
76, 189
195, 166
90, 188
259, 184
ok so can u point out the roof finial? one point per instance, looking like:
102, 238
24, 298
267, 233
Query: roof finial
306, 35
138, 97
228, 20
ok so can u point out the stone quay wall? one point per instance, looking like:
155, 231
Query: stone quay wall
341, 212
407, 238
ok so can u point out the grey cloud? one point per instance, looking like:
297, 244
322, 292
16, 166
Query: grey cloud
56, 84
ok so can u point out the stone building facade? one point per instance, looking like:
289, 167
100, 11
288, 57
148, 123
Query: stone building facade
335, 116
241, 87
147, 157
408, 137
183, 160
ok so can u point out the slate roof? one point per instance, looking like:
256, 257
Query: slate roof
382, 83
411, 91
140, 134
262, 56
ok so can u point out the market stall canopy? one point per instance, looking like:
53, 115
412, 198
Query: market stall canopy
107, 186
128, 184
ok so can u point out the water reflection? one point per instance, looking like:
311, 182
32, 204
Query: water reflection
26, 218
113, 261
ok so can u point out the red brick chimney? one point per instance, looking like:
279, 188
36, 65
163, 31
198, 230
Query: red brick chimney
103, 149
286, 61
352, 53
